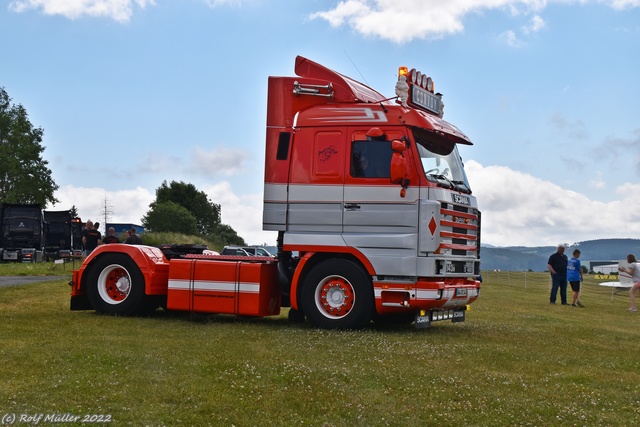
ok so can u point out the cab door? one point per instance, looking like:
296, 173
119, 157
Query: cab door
377, 220
315, 194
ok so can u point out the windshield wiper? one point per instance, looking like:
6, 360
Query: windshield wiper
440, 178
462, 185
459, 186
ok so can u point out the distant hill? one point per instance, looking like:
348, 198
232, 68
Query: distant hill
522, 258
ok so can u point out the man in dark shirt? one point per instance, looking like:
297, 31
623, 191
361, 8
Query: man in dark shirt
91, 238
133, 238
111, 237
557, 266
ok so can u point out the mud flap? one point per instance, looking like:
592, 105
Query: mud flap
80, 302
425, 319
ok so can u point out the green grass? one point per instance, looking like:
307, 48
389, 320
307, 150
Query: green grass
515, 361
37, 268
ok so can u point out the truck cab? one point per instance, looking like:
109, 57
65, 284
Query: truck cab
21, 232
375, 186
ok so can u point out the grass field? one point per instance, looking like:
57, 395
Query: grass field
515, 361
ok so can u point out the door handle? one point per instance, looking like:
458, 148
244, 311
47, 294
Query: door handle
351, 206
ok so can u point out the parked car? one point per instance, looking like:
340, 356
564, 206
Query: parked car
246, 251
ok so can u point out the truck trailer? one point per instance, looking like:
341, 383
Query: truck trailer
374, 215
22, 232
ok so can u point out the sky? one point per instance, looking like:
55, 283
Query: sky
131, 93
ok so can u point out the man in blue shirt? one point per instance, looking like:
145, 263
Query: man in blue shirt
574, 277
557, 265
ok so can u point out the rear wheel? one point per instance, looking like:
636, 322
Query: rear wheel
337, 294
115, 285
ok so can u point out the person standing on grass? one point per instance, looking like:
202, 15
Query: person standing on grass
111, 237
87, 226
91, 237
133, 238
557, 266
574, 277
634, 271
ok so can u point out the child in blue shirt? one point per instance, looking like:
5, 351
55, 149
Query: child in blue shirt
574, 277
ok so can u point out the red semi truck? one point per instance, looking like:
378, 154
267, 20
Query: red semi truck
373, 211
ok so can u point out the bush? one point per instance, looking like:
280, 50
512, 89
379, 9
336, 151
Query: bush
160, 238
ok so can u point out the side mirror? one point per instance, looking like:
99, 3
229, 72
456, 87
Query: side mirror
399, 169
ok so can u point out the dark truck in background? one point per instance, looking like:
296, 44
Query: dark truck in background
62, 235
22, 234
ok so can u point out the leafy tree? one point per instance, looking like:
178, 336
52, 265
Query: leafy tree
179, 203
169, 217
225, 235
24, 175
206, 213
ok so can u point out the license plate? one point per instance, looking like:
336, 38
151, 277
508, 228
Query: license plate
461, 292
11, 255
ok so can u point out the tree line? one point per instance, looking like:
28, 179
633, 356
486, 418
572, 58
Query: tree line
25, 178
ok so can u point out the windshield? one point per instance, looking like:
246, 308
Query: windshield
440, 160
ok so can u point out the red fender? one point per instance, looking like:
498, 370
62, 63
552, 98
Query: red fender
151, 261
310, 253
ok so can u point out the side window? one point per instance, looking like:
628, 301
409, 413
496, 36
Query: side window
370, 159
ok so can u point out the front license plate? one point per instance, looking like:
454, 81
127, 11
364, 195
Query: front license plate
461, 292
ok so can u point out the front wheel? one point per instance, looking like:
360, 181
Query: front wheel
337, 294
115, 285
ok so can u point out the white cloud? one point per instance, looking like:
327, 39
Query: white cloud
520, 209
218, 161
155, 161
128, 206
214, 162
398, 21
216, 3
536, 24
403, 21
380, 18
622, 4
119, 10
510, 38
242, 212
